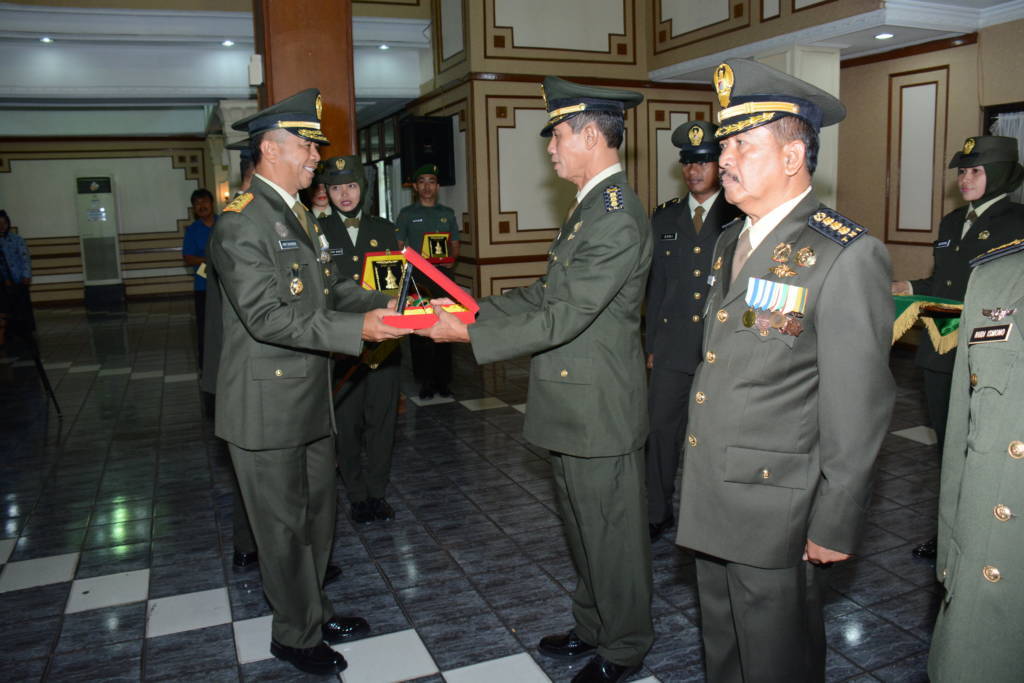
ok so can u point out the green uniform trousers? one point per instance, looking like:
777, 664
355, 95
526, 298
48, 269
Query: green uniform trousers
761, 625
290, 497
604, 510
366, 415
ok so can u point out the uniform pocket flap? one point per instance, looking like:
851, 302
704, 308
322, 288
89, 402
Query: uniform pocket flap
565, 369
991, 367
278, 368
768, 468
947, 574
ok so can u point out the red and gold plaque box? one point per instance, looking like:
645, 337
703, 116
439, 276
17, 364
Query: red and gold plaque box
418, 317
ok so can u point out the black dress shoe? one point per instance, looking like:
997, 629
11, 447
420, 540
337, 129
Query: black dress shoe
444, 392
381, 509
341, 629
243, 560
927, 550
319, 659
600, 670
662, 526
333, 572
362, 512
426, 391
565, 645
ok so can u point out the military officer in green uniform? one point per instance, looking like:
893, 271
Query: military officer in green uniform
366, 408
685, 232
418, 227
580, 322
981, 541
788, 410
284, 309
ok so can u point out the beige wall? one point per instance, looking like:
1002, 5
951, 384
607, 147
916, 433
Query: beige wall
1000, 56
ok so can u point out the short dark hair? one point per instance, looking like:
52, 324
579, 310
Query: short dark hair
790, 128
611, 125
245, 165
201, 193
254, 147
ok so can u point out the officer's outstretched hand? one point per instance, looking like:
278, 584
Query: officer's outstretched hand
375, 329
448, 327
822, 556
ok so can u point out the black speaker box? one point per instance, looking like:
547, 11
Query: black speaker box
427, 140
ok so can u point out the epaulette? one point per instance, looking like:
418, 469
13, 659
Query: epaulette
998, 252
835, 226
240, 202
613, 198
674, 200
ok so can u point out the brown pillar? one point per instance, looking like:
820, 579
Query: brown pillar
308, 44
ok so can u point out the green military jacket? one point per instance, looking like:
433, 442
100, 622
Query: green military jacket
980, 559
283, 312
580, 322
415, 221
375, 234
783, 429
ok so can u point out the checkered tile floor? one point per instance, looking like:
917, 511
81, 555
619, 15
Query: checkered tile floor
115, 533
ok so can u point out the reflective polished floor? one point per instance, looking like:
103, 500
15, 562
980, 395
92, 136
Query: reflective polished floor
115, 532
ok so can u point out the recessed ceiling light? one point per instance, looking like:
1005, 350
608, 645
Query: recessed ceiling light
384, 46
883, 36
46, 39
228, 43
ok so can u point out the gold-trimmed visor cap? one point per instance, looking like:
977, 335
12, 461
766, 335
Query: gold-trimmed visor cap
341, 171
985, 149
696, 142
753, 94
298, 114
564, 99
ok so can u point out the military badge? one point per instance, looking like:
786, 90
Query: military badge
724, 80
444, 220
997, 252
782, 252
339, 163
984, 235
805, 257
718, 264
835, 226
319, 107
240, 202
987, 335
280, 229
969, 145
696, 135
576, 228
749, 317
295, 286
612, 198
782, 270
544, 94
373, 243
997, 314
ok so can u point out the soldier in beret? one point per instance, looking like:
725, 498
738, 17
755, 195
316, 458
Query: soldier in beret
366, 408
580, 322
987, 171
685, 232
789, 408
284, 308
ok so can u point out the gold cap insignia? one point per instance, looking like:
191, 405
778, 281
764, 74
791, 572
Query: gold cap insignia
544, 94
696, 135
373, 243
969, 145
984, 235
319, 107
724, 80
340, 164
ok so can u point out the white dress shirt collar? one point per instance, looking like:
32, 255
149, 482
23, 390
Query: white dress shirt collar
760, 230
592, 183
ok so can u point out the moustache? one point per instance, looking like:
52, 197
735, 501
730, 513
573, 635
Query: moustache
728, 176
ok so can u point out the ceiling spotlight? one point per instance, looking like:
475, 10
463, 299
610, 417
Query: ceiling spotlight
46, 39
384, 46
883, 36
228, 43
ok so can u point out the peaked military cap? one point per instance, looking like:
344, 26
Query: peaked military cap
239, 144
985, 149
298, 114
753, 94
696, 142
565, 99
340, 171
425, 169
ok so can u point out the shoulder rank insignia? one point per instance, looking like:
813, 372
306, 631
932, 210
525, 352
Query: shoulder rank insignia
612, 198
998, 252
835, 226
674, 200
240, 202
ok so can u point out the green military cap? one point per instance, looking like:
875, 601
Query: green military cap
425, 169
565, 99
696, 142
298, 114
341, 170
985, 149
753, 94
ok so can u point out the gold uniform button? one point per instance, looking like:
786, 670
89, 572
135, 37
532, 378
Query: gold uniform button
697, 295
700, 398
544, 285
949, 283
664, 320
355, 258
974, 380
295, 266
326, 291
1016, 449
710, 356
564, 373
696, 250
945, 573
327, 272
991, 573
695, 318
1002, 513
668, 252
765, 473
722, 315
279, 372
692, 440
696, 273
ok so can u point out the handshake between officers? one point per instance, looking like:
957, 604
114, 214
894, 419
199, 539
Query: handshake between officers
285, 311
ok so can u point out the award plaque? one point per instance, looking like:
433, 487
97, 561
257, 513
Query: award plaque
382, 271
435, 247
417, 314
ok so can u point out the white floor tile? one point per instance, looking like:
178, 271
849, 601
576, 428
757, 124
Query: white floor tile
252, 639
436, 401
187, 612
6, 546
107, 372
83, 368
521, 407
518, 668
383, 659
107, 591
920, 433
41, 571
188, 376
484, 403
150, 374
649, 679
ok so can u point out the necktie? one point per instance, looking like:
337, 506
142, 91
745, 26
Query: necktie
742, 253
352, 222
698, 218
972, 217
571, 209
322, 215
300, 212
